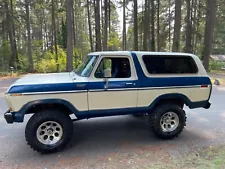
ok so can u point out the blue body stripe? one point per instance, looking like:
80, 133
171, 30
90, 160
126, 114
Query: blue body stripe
145, 82
46, 87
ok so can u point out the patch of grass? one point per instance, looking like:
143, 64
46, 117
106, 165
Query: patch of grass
216, 65
203, 158
209, 157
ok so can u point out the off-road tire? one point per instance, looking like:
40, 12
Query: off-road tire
43, 116
157, 114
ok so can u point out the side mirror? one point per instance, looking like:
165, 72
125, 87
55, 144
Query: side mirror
107, 73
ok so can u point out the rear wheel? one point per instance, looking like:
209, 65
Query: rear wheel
167, 121
48, 131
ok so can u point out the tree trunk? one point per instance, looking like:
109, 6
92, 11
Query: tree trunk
124, 25
152, 25
11, 31
146, 25
158, 29
209, 29
135, 26
73, 19
89, 26
141, 29
105, 43
55, 35
188, 48
69, 63
30, 59
97, 26
197, 25
194, 34
52, 40
102, 17
109, 17
169, 25
46, 33
177, 26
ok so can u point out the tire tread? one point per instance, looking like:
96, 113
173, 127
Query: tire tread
153, 119
47, 114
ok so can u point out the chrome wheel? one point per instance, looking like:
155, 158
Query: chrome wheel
169, 122
49, 132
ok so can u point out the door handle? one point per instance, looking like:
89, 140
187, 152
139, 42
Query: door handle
129, 83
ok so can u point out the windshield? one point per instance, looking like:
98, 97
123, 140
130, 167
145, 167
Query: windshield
86, 67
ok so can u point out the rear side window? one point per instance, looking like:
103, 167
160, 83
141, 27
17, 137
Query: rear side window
170, 64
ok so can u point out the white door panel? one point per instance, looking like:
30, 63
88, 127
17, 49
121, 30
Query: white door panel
112, 99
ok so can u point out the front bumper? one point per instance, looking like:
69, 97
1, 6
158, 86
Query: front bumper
9, 117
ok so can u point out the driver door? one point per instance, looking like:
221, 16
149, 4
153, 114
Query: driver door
121, 91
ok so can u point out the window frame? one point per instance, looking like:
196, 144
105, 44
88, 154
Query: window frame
146, 72
101, 57
111, 69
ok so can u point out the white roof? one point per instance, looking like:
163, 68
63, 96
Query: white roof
139, 53
111, 53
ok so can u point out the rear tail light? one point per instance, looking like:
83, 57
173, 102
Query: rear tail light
204, 86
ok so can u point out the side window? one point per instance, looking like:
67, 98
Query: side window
170, 64
105, 63
120, 67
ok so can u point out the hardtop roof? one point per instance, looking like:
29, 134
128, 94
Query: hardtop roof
140, 53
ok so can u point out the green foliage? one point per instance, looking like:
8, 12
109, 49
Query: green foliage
61, 59
216, 65
48, 63
45, 66
42, 33
219, 39
114, 41
78, 57
22, 63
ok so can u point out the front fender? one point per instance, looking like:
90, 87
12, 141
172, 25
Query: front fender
19, 115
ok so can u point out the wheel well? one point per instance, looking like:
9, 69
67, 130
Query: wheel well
39, 107
177, 101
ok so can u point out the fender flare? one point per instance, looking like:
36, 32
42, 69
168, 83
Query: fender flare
179, 96
19, 116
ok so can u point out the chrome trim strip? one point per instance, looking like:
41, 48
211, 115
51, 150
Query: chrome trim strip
169, 87
108, 90
55, 92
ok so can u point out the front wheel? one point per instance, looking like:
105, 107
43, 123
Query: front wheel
48, 131
167, 121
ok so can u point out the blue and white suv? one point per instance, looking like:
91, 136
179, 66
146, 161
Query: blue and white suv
109, 84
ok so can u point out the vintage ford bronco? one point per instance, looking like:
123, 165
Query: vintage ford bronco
158, 84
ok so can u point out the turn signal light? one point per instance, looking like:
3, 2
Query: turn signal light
16, 94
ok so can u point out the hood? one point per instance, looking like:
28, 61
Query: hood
47, 78
47, 82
